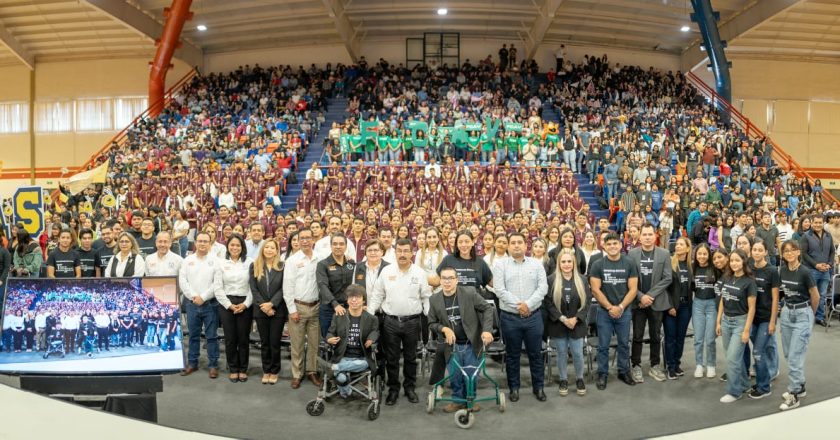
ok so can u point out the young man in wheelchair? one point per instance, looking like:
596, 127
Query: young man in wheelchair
351, 336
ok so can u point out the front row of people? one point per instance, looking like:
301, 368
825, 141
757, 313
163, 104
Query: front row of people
735, 296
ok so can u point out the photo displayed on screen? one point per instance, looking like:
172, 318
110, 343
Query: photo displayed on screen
87, 326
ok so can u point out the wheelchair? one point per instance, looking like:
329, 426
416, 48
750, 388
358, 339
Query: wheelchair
55, 346
368, 385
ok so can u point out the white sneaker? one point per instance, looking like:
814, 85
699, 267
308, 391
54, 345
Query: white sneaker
656, 373
787, 395
636, 372
710, 372
698, 372
791, 402
729, 398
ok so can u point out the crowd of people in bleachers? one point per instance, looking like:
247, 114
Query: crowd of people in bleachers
454, 167
86, 318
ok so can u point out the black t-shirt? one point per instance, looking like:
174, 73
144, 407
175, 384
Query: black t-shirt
684, 280
766, 279
571, 298
453, 311
796, 284
734, 293
65, 263
147, 246
645, 271
704, 283
87, 260
103, 257
354, 338
614, 276
473, 273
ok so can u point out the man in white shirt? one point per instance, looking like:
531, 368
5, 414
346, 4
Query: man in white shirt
386, 236
254, 243
314, 172
402, 293
432, 169
164, 262
195, 279
323, 248
785, 229
300, 292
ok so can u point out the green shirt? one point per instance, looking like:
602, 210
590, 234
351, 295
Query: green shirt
512, 143
394, 142
472, 142
421, 142
382, 142
408, 143
356, 143
486, 142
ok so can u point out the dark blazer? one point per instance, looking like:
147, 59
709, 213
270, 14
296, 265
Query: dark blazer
660, 279
556, 329
675, 289
333, 279
360, 273
340, 326
476, 317
265, 290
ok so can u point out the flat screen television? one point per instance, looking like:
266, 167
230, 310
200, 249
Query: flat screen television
91, 326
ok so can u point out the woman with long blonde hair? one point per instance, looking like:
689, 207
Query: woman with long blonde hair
270, 312
567, 306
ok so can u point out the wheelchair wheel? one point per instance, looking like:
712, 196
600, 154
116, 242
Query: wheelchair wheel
430, 402
464, 419
502, 402
373, 411
315, 408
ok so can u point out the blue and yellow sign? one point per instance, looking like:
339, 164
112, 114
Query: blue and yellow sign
28, 204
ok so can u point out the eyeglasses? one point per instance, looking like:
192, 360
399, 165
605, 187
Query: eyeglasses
448, 278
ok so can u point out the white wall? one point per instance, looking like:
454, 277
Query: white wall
393, 50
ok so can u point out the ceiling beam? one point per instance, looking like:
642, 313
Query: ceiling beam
760, 12
335, 9
146, 26
9, 40
540, 27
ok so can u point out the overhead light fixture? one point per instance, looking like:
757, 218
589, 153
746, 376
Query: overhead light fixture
685, 28
201, 27
443, 11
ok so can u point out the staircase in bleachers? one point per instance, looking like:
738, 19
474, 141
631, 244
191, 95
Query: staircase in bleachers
336, 113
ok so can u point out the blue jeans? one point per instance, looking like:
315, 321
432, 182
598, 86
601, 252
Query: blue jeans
486, 156
607, 326
675, 329
184, 245
704, 317
197, 316
708, 169
796, 326
465, 355
731, 329
592, 169
344, 366
570, 157
612, 189
771, 354
563, 345
419, 155
823, 280
761, 341
515, 331
500, 156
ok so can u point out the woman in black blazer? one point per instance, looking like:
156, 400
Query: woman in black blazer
566, 305
266, 280
567, 241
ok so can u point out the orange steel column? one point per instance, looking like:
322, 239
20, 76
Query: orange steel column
176, 16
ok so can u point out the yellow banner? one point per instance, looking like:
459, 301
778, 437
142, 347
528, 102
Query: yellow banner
79, 182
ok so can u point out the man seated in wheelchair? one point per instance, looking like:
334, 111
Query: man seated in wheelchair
463, 321
351, 334
55, 341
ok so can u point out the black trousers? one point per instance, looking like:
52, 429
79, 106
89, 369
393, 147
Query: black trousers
653, 319
237, 335
271, 333
104, 337
400, 337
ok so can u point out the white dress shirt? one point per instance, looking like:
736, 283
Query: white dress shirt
400, 293
167, 266
231, 279
139, 265
196, 276
299, 280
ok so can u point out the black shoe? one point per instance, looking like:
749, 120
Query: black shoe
672, 375
679, 371
821, 322
564, 387
601, 382
756, 394
723, 377
581, 387
514, 395
411, 395
540, 395
393, 395
626, 378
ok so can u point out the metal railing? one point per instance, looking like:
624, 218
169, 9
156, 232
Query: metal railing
779, 156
